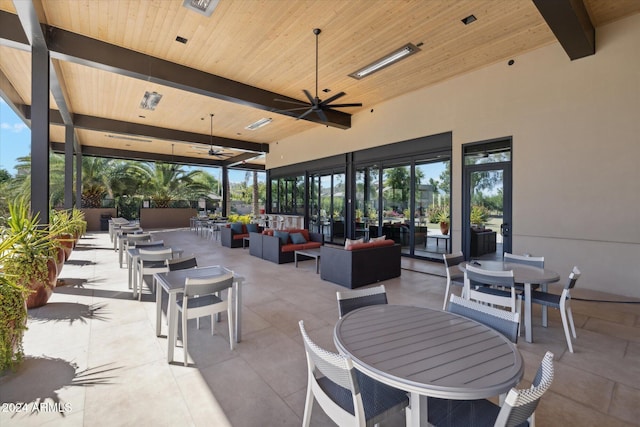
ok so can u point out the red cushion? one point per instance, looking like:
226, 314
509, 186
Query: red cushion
357, 246
386, 242
268, 232
291, 247
239, 236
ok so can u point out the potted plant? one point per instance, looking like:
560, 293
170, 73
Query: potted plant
61, 233
443, 219
30, 259
13, 308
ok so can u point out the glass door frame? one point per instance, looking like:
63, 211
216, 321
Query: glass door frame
507, 201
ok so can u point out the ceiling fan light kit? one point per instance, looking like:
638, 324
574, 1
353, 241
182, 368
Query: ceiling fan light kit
395, 56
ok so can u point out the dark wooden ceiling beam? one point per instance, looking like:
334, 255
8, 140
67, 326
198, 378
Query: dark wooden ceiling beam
58, 147
570, 23
99, 124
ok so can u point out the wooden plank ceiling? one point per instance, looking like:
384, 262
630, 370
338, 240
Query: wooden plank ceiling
265, 44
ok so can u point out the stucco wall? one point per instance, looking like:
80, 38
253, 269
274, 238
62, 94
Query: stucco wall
576, 145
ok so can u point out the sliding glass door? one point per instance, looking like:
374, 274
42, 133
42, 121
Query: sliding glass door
405, 202
326, 205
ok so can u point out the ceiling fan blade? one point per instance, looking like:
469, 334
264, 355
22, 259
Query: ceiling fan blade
357, 104
305, 114
292, 109
291, 101
333, 98
312, 100
322, 115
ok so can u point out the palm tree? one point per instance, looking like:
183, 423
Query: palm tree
163, 182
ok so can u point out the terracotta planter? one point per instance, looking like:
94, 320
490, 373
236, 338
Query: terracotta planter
66, 240
60, 258
444, 228
42, 291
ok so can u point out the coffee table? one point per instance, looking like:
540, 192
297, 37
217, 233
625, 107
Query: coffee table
309, 253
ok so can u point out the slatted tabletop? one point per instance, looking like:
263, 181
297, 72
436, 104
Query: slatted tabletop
429, 352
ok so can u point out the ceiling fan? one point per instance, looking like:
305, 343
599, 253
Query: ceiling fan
215, 152
315, 104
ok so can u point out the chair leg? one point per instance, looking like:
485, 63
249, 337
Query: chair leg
230, 316
570, 316
563, 314
446, 296
308, 405
185, 320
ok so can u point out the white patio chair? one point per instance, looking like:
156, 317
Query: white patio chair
562, 303
200, 299
151, 261
130, 240
350, 300
454, 275
345, 394
518, 407
503, 321
481, 285
533, 261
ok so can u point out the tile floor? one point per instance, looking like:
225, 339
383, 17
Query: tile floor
92, 357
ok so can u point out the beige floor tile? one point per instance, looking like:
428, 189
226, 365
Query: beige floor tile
111, 367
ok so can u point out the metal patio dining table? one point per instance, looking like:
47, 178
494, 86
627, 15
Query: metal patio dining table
429, 353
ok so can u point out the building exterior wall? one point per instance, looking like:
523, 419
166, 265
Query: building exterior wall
576, 143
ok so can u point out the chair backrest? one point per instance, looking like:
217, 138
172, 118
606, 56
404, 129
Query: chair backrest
182, 263
451, 261
502, 321
207, 285
534, 261
148, 244
138, 237
573, 278
160, 254
350, 300
475, 276
521, 404
339, 370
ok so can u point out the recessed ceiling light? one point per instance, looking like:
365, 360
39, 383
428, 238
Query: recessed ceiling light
181, 40
262, 122
395, 56
150, 100
469, 19
203, 7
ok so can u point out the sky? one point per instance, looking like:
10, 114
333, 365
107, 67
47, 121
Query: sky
15, 138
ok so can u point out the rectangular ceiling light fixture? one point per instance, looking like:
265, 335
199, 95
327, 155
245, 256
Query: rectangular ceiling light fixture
407, 50
204, 7
150, 100
127, 138
262, 122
